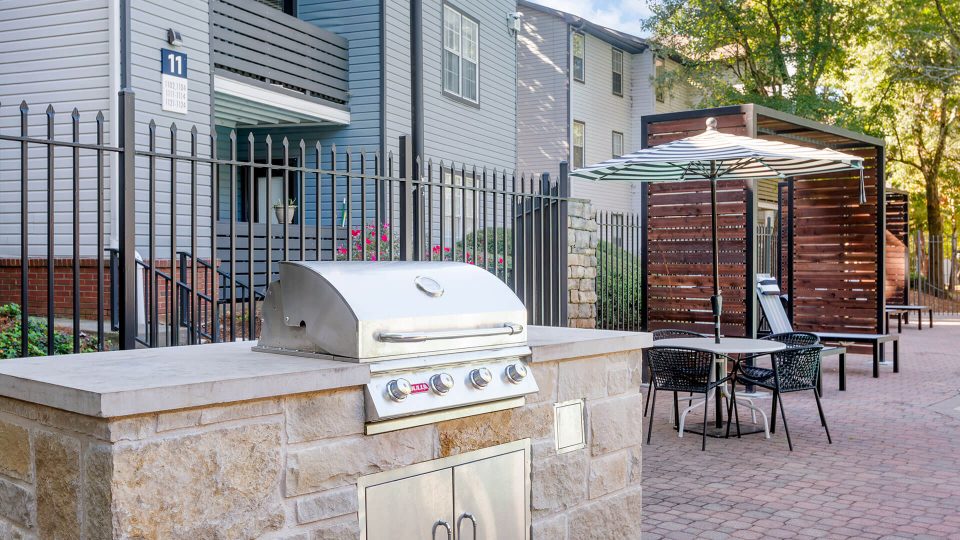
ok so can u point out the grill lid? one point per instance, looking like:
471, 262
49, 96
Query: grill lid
368, 311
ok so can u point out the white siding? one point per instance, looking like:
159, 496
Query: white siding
678, 97
51, 53
594, 103
542, 84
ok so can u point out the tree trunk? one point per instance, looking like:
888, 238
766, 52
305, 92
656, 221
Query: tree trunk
935, 230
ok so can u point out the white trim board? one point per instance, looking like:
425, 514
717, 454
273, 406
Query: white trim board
301, 108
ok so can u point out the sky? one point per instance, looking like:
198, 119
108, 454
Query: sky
623, 15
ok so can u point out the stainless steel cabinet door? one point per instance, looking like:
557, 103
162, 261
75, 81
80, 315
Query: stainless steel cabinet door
489, 498
411, 508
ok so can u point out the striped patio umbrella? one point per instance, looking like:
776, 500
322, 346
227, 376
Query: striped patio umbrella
716, 156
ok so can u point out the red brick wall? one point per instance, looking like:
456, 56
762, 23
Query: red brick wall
10, 273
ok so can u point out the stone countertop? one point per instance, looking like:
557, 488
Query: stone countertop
123, 383
551, 343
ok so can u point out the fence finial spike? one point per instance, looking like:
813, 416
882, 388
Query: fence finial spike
173, 127
268, 139
250, 138
303, 145
100, 117
193, 130
152, 126
24, 107
75, 114
285, 142
50, 110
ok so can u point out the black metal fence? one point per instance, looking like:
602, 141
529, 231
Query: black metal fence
196, 243
618, 282
935, 272
768, 249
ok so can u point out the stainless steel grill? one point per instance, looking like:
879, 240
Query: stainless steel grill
443, 339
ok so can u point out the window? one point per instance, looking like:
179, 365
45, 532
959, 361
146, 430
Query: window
657, 68
617, 72
579, 45
461, 44
579, 137
617, 146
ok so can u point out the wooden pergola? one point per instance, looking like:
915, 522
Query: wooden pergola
832, 247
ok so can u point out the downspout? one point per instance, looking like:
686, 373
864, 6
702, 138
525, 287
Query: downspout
416, 79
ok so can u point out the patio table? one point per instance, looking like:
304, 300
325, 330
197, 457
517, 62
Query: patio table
727, 346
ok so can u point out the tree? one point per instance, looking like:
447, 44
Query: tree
780, 53
907, 84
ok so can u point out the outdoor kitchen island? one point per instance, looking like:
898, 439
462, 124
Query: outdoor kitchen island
221, 441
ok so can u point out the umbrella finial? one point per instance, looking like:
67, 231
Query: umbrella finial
711, 124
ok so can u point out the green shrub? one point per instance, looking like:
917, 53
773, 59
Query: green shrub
619, 290
36, 336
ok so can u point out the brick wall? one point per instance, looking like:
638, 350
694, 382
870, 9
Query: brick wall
10, 275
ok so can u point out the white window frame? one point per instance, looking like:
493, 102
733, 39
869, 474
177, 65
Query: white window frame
583, 57
582, 146
616, 70
457, 48
660, 92
614, 137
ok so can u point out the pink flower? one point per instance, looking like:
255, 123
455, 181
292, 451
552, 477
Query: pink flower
341, 250
500, 260
384, 238
446, 250
436, 249
373, 257
368, 241
355, 232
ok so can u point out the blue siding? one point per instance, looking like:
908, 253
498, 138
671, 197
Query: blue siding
359, 22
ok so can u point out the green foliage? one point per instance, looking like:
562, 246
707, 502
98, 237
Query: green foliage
36, 335
619, 293
785, 54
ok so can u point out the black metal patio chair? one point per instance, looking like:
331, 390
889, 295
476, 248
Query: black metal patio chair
794, 369
665, 333
678, 369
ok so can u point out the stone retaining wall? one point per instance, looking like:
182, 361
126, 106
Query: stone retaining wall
582, 239
286, 467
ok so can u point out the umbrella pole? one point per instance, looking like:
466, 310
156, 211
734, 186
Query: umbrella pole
716, 301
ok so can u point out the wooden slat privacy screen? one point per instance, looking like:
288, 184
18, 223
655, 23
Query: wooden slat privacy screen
897, 239
679, 271
831, 245
834, 260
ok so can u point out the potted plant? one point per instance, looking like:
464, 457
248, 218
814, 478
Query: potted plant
285, 212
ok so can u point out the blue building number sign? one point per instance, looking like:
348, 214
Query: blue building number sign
173, 78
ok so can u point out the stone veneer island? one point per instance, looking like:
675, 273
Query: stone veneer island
221, 442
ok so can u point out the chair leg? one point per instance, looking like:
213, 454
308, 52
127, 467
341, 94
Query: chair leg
823, 419
732, 409
653, 407
783, 416
706, 415
676, 411
773, 415
843, 372
649, 388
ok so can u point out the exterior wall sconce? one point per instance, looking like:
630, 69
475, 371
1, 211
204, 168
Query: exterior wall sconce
174, 38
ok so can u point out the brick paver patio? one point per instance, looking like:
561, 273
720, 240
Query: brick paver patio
893, 470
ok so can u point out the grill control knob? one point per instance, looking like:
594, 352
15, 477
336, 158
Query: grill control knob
516, 372
441, 383
398, 389
481, 377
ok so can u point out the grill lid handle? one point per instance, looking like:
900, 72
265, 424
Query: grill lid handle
419, 337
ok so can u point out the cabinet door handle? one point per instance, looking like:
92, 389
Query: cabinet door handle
445, 525
473, 520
